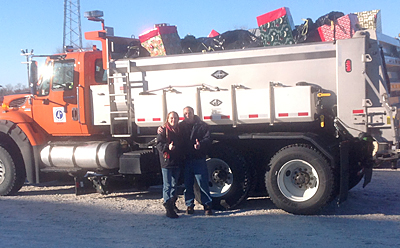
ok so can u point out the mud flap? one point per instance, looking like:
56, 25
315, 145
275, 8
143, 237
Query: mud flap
83, 186
344, 171
102, 185
92, 183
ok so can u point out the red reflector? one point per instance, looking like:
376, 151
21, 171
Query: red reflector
303, 114
348, 65
141, 119
207, 117
156, 119
253, 116
358, 111
283, 114
225, 117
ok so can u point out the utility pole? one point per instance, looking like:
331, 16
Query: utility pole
72, 25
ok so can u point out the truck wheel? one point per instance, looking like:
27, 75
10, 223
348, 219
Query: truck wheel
300, 180
229, 178
11, 178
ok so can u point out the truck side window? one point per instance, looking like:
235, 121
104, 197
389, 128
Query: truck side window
43, 87
63, 75
100, 74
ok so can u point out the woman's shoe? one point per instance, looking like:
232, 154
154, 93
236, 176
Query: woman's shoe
170, 210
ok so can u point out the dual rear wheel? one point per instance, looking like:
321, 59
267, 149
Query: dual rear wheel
300, 179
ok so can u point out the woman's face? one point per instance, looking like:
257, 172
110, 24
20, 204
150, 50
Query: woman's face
173, 119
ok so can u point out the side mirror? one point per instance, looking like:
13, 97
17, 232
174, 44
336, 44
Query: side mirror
33, 77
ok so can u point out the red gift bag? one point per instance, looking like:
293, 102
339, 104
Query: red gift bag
343, 28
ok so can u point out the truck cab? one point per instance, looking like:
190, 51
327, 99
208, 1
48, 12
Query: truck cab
61, 105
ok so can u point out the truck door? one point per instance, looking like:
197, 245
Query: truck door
54, 107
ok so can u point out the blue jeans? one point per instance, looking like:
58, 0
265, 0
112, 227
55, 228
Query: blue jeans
196, 168
170, 181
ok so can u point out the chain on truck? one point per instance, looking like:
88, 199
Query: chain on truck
300, 123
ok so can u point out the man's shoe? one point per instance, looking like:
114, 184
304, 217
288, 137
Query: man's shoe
190, 210
207, 210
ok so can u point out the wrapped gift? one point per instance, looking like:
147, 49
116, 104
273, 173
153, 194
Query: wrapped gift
276, 27
343, 28
213, 33
161, 40
370, 20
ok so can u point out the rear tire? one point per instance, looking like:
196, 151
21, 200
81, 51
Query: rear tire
229, 178
12, 177
300, 180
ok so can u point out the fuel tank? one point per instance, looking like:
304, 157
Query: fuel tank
88, 155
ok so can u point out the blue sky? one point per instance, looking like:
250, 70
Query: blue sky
38, 24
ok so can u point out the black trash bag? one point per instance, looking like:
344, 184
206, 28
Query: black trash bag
239, 39
191, 44
306, 32
326, 19
210, 44
134, 50
236, 39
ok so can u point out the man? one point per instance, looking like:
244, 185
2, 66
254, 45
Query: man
196, 140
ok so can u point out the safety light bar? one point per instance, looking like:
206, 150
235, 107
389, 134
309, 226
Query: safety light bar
94, 15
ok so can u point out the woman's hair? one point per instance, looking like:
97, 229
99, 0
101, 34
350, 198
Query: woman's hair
167, 126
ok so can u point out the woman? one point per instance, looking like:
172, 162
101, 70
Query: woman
169, 144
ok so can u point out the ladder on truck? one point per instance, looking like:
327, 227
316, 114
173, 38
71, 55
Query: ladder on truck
121, 118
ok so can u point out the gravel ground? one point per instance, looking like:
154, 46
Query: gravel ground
52, 216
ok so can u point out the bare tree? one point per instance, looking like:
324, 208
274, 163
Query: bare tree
10, 89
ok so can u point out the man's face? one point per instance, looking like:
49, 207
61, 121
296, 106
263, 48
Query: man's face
188, 114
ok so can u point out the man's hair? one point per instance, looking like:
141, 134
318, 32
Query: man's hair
188, 107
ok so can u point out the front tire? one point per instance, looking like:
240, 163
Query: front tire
300, 180
11, 177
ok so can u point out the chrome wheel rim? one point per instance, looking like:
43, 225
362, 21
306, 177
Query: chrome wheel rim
220, 177
2, 172
298, 180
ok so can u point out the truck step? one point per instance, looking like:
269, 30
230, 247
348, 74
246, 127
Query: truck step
121, 135
124, 118
120, 94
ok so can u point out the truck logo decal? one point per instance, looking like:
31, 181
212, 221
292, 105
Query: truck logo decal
216, 102
59, 114
220, 74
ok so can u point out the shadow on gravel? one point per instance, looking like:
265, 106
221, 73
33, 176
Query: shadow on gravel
382, 196
51, 191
